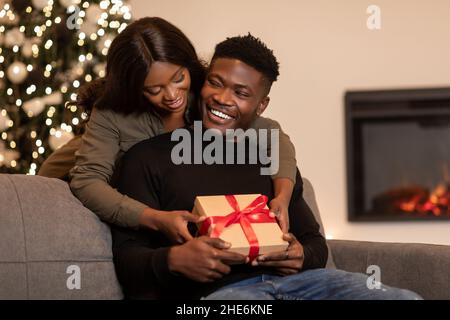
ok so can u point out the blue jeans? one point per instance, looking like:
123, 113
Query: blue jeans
317, 284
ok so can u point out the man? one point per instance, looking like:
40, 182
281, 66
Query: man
149, 266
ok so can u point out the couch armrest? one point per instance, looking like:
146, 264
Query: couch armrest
422, 268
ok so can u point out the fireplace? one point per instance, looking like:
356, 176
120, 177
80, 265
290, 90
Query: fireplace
398, 154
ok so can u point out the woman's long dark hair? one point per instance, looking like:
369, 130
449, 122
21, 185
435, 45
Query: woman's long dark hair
129, 60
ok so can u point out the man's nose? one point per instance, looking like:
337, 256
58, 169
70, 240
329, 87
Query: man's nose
223, 97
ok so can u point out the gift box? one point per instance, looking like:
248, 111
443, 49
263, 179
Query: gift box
242, 220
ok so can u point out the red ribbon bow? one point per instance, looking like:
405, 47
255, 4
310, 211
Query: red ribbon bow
255, 212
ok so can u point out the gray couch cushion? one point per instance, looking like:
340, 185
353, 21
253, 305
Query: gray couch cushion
422, 268
310, 198
42, 234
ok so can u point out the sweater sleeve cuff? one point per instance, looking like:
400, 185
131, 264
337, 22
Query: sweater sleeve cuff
311, 260
160, 265
307, 258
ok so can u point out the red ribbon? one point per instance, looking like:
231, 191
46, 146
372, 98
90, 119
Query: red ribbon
255, 212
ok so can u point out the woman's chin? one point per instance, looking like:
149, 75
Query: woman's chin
179, 107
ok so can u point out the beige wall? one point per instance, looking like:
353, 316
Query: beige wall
325, 48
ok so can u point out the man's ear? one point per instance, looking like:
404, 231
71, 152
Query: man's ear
263, 105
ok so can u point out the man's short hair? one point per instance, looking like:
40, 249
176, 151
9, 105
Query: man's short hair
253, 52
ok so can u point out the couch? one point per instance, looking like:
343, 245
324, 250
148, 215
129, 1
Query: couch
52, 247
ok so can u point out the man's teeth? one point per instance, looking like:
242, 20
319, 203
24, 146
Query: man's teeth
220, 114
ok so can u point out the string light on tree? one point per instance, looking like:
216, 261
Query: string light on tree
5, 121
17, 72
42, 64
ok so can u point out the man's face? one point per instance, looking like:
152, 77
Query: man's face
233, 95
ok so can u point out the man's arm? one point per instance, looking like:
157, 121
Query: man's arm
306, 229
307, 247
139, 263
142, 269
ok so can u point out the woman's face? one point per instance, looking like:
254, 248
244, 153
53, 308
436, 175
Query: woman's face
167, 87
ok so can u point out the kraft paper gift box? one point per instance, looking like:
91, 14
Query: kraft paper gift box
268, 232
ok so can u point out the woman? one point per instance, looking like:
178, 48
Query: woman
152, 85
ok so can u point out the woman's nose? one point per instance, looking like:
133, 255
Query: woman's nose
170, 93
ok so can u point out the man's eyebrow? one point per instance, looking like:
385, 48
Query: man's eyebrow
235, 85
242, 86
212, 74
171, 78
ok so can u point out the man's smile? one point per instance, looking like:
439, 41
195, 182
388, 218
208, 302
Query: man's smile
218, 112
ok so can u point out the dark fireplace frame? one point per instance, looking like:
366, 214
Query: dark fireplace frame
361, 105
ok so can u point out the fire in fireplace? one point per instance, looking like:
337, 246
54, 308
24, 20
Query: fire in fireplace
415, 200
398, 154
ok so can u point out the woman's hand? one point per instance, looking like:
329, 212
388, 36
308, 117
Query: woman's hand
279, 208
285, 262
279, 205
172, 223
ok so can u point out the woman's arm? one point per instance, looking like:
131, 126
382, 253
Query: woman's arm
287, 162
94, 167
91, 178
279, 205
61, 161
284, 179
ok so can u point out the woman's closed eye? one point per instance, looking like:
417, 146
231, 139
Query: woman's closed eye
153, 91
180, 78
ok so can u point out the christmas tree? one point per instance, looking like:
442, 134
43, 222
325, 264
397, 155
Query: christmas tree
48, 49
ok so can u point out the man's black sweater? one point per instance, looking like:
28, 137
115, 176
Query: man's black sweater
148, 174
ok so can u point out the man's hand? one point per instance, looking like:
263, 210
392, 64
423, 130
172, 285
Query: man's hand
203, 259
279, 208
173, 224
285, 262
